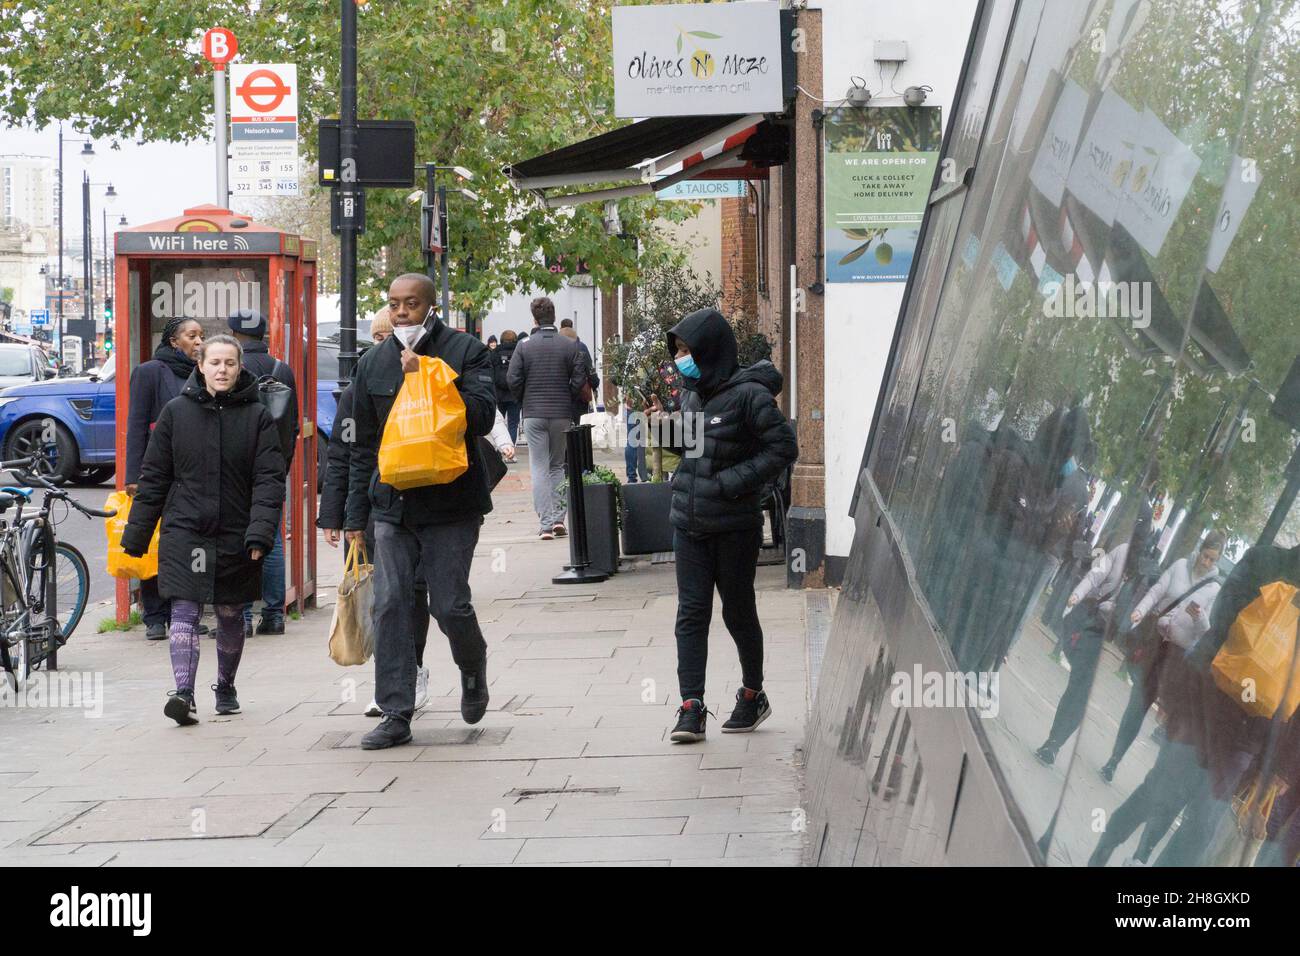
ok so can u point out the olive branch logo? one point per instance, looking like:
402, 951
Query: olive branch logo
702, 63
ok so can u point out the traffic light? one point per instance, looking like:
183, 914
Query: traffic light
108, 309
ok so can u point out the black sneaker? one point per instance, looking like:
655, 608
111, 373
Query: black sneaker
690, 722
473, 695
155, 632
1108, 770
227, 702
270, 625
751, 710
1046, 754
391, 732
202, 630
181, 708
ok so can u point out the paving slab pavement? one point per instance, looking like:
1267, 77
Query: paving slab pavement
571, 765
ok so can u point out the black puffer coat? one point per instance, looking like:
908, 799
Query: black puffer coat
746, 440
214, 473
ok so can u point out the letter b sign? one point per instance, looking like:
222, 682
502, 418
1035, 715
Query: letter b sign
219, 46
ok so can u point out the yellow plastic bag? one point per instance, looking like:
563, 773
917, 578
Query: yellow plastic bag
121, 564
352, 630
424, 437
1258, 663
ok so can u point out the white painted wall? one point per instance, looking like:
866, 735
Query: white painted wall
860, 317
701, 236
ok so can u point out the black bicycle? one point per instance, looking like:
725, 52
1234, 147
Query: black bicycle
44, 583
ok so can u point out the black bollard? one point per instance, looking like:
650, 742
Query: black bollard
577, 445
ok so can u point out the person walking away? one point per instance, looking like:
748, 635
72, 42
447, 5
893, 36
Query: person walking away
546, 374
434, 528
214, 474
582, 404
506, 403
1182, 600
153, 384
737, 442
249, 329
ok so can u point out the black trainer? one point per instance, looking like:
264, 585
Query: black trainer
1108, 770
181, 708
391, 732
1046, 754
751, 710
690, 722
227, 702
473, 694
155, 632
270, 625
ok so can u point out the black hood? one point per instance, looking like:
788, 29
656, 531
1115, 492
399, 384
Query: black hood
713, 346
245, 390
1062, 434
762, 372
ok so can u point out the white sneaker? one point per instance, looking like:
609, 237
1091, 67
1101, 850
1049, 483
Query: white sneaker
421, 687
372, 709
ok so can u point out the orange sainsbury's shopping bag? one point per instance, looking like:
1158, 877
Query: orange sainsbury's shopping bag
1258, 663
424, 437
121, 564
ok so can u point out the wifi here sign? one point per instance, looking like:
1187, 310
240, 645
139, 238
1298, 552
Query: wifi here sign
198, 242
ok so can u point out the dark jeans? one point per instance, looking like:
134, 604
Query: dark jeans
420, 595
1083, 655
272, 584
445, 551
1175, 779
1145, 687
511, 411
728, 562
154, 608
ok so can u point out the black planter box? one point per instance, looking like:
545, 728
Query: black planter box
601, 504
645, 518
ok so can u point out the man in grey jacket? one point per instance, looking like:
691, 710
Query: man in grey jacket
546, 374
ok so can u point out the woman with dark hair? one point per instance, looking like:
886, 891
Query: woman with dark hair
153, 384
214, 475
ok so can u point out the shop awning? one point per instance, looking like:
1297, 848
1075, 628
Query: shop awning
654, 154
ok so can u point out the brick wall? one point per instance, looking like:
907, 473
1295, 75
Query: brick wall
739, 257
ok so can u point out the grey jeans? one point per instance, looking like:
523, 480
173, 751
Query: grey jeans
446, 551
546, 467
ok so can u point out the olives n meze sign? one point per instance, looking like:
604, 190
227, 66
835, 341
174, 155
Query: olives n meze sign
692, 59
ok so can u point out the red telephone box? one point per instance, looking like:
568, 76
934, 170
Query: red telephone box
205, 264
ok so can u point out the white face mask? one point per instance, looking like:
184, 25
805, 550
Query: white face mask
406, 333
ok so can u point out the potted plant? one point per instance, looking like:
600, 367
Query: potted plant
602, 513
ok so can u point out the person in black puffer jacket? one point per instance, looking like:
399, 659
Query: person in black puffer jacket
214, 474
736, 440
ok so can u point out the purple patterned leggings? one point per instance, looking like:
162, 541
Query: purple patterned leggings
184, 641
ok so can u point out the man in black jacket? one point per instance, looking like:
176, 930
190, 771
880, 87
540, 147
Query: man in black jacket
546, 373
736, 441
437, 525
249, 327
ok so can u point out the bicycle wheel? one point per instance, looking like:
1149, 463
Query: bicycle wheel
71, 587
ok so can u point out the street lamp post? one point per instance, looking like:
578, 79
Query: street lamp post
88, 293
87, 154
439, 209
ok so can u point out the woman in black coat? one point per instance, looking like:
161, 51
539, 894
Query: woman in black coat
214, 474
153, 384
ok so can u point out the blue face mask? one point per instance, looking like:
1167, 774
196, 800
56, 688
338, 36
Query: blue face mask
1070, 467
686, 365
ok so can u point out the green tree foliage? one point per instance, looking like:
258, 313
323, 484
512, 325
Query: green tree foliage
486, 83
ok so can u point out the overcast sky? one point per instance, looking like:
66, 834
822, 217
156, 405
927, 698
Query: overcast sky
153, 182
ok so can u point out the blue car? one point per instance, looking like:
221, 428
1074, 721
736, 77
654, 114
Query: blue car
83, 411
83, 443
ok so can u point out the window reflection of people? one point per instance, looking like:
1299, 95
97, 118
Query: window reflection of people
1007, 507
1090, 607
1181, 601
1214, 745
